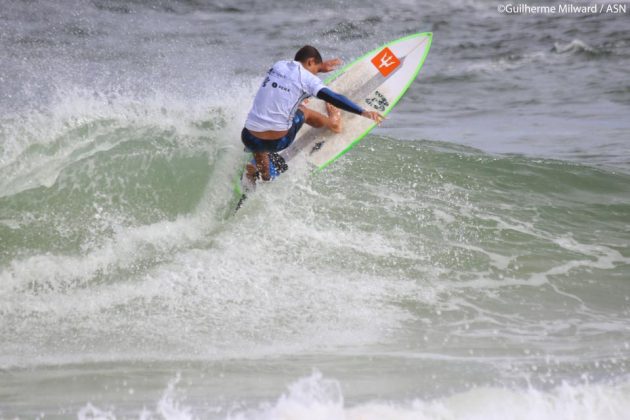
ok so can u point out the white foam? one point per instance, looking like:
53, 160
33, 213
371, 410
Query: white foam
168, 407
91, 412
319, 398
232, 295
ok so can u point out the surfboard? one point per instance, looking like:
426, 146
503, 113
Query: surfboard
376, 81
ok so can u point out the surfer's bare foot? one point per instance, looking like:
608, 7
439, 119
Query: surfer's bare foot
334, 117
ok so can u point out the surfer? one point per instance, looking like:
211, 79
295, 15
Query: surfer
278, 112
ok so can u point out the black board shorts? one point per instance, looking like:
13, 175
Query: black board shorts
254, 144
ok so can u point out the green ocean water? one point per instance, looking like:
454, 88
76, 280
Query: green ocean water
440, 221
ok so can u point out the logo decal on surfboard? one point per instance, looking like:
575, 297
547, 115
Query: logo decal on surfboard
385, 61
378, 101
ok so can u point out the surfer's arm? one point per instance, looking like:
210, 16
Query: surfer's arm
329, 65
346, 104
339, 101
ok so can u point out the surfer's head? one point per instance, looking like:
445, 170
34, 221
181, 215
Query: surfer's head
310, 58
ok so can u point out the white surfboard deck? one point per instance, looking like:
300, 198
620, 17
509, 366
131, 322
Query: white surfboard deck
375, 81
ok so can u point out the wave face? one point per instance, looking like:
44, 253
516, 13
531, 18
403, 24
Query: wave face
473, 250
124, 249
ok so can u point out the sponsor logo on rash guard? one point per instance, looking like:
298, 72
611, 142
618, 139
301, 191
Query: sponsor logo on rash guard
278, 86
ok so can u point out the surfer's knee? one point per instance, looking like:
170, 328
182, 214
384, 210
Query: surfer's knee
313, 118
307, 112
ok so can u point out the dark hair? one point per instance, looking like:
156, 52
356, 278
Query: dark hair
307, 52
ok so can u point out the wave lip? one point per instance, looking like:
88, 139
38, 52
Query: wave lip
576, 46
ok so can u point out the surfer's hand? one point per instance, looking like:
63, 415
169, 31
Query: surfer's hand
330, 65
374, 116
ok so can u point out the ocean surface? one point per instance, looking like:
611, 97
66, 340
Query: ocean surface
469, 259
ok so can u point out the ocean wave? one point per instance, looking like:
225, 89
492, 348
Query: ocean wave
319, 398
394, 232
576, 46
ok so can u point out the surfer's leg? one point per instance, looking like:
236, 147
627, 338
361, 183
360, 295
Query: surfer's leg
262, 164
251, 172
332, 121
